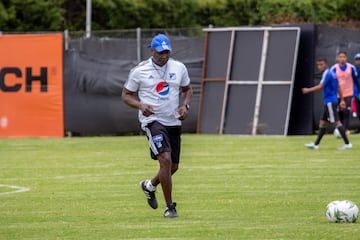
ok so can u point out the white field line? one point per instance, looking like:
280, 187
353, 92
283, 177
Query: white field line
15, 189
84, 175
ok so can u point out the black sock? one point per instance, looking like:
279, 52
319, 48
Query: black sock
346, 119
342, 133
321, 133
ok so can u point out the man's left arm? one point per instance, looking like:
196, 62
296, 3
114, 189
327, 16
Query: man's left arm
186, 96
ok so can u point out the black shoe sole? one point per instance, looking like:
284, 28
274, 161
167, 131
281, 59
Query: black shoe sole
152, 201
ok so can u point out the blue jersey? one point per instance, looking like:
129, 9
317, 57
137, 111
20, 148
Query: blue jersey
356, 90
330, 89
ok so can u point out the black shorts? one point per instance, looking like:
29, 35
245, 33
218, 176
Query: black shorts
330, 113
347, 101
164, 139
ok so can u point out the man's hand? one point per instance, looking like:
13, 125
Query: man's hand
146, 109
305, 90
342, 104
183, 112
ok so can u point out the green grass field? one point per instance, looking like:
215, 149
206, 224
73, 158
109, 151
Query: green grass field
228, 187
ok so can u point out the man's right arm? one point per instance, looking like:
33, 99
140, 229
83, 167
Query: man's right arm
313, 89
129, 98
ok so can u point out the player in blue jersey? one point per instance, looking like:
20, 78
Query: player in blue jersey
347, 77
330, 86
356, 89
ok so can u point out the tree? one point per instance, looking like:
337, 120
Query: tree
58, 15
31, 15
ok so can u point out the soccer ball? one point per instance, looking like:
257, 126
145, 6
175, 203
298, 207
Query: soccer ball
342, 212
337, 133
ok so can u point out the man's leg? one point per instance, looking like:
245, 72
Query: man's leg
156, 180
322, 131
345, 118
163, 149
164, 175
341, 129
174, 168
159, 150
175, 142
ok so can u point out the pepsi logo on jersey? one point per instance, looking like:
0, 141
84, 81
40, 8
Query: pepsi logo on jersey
162, 88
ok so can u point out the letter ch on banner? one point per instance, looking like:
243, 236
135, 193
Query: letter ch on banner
31, 85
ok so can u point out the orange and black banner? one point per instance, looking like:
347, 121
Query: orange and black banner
31, 85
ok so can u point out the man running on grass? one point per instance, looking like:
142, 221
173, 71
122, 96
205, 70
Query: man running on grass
330, 85
159, 81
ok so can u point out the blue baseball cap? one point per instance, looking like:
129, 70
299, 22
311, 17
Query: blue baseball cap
357, 56
160, 43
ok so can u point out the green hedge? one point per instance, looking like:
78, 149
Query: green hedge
57, 15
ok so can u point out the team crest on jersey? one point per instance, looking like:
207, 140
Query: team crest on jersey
172, 76
157, 140
162, 88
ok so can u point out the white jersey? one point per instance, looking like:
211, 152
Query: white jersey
159, 87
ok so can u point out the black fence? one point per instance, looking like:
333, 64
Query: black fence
96, 68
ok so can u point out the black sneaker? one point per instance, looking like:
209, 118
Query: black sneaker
170, 211
150, 195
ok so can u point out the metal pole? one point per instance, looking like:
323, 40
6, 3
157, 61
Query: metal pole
66, 39
260, 82
88, 19
138, 44
227, 78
